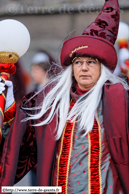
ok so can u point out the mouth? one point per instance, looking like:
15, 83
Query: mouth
84, 76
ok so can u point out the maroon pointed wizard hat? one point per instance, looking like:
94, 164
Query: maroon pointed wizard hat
97, 39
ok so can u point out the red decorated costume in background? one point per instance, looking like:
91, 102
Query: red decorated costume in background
76, 128
122, 68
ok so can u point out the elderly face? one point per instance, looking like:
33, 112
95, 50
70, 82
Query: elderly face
86, 71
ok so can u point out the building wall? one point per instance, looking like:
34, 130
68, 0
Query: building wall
48, 31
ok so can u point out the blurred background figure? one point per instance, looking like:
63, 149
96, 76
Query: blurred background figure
122, 68
123, 35
20, 80
41, 63
41, 71
43, 68
124, 61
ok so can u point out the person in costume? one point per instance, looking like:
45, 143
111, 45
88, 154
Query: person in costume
76, 128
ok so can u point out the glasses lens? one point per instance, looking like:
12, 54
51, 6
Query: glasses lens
77, 61
91, 62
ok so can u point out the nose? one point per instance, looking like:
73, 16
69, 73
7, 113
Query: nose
85, 66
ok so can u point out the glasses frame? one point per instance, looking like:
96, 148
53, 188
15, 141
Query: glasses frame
85, 61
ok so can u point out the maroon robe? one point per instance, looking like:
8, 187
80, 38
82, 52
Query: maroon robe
37, 144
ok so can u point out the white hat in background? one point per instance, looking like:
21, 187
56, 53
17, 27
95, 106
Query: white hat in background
123, 32
40, 58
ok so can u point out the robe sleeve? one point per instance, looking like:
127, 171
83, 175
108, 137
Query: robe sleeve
28, 150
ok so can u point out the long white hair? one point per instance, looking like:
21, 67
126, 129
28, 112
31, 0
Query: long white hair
83, 111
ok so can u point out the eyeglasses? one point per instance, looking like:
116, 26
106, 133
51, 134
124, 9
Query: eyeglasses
77, 61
